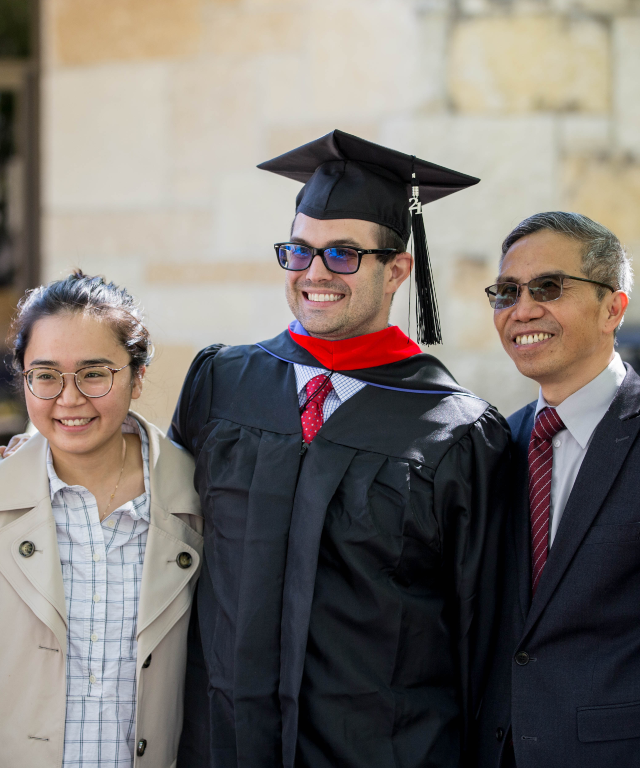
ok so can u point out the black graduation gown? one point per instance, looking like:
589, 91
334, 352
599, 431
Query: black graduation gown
348, 593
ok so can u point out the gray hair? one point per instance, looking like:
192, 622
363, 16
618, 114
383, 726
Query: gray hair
604, 258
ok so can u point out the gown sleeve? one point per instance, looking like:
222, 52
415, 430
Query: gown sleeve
471, 504
194, 403
190, 416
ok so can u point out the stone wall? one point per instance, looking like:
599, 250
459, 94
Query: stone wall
157, 111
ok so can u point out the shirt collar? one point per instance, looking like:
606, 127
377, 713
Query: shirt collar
582, 411
305, 373
130, 425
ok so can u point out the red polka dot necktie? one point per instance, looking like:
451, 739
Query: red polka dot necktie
312, 414
547, 425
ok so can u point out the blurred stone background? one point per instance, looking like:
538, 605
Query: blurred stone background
154, 113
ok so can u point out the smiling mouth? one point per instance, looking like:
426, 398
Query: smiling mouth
531, 338
320, 297
75, 422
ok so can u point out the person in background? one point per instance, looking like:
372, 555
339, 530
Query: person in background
564, 691
352, 494
100, 544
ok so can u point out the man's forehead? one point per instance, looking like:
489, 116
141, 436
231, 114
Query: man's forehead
355, 232
541, 253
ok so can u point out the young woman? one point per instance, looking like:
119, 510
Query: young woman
100, 544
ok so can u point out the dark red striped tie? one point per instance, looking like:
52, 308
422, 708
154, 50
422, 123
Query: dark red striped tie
547, 425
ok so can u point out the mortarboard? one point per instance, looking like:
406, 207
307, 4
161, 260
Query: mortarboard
346, 177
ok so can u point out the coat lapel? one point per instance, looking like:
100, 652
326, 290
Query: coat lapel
521, 528
163, 598
609, 448
37, 579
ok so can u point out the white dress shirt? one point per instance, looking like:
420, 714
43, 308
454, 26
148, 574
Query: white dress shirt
581, 413
344, 387
101, 570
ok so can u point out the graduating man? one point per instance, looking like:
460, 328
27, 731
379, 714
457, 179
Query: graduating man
352, 497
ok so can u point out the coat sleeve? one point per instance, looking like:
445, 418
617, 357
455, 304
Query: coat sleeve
194, 403
471, 503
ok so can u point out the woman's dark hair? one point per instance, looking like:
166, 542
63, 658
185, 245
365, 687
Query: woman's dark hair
80, 293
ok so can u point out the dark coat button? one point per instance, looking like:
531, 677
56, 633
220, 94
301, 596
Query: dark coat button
146, 662
184, 560
499, 734
27, 548
142, 745
522, 658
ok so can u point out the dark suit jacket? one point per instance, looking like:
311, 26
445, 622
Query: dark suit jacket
565, 682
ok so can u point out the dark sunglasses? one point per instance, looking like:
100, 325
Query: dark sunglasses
343, 261
544, 288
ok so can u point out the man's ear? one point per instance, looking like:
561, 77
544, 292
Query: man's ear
400, 270
617, 304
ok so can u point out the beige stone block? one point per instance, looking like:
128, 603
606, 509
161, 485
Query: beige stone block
362, 59
197, 273
626, 39
282, 88
601, 7
244, 32
465, 291
215, 124
433, 60
144, 236
585, 134
279, 4
106, 138
524, 64
607, 190
163, 382
91, 31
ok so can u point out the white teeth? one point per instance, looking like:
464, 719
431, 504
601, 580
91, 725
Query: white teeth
74, 422
324, 297
532, 338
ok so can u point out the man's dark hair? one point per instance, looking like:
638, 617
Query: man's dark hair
389, 238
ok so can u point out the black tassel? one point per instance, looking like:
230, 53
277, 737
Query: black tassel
427, 319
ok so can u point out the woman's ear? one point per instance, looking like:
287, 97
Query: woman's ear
136, 388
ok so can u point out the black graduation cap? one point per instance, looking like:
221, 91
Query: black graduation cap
346, 177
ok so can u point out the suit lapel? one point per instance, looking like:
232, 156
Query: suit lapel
609, 448
521, 525
163, 598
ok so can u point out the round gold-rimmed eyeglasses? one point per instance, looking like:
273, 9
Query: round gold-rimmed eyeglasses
92, 381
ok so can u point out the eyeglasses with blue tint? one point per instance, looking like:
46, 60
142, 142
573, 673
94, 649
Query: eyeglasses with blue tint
295, 257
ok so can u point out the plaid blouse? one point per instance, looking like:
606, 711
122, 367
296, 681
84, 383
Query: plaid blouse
102, 571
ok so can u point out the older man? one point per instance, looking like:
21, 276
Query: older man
565, 687
352, 497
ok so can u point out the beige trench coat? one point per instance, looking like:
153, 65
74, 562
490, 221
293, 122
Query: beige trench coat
33, 615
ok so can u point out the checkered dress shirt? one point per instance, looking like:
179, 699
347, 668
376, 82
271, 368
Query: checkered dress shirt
101, 570
344, 387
